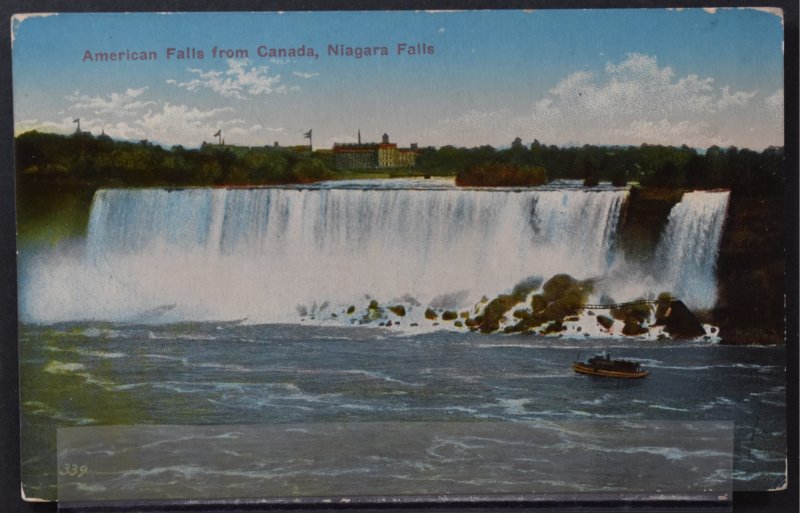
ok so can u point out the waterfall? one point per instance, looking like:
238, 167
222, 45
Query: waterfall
686, 256
263, 254
201, 254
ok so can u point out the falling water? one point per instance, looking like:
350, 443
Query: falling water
686, 256
219, 254
158, 255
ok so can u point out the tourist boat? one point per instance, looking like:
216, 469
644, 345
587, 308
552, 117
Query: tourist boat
602, 365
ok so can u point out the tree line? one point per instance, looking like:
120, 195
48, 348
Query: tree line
102, 161
741, 170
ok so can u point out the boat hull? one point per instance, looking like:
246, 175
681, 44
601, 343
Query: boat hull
591, 371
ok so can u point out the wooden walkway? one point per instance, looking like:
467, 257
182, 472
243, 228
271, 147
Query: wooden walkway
629, 303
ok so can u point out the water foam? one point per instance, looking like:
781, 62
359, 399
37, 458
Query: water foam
158, 255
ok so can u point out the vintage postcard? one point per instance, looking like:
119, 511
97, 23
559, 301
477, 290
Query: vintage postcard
408, 254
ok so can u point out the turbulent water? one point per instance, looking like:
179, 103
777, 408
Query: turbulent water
160, 255
169, 311
314, 378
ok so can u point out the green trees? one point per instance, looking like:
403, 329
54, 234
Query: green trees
100, 161
501, 174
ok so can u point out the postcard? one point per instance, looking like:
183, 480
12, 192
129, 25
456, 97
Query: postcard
500, 253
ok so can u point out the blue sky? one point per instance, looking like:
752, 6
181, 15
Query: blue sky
619, 76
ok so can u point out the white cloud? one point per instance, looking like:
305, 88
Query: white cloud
738, 98
640, 67
657, 132
131, 115
246, 131
180, 124
628, 102
64, 125
637, 101
774, 103
304, 75
114, 103
96, 126
239, 81
639, 87
119, 130
190, 126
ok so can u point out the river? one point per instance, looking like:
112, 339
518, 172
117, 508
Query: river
251, 307
220, 373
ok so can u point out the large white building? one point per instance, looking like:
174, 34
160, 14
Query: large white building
373, 155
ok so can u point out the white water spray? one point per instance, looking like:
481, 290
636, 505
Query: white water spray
686, 257
156, 255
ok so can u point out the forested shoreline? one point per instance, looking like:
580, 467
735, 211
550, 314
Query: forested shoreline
82, 158
740, 170
57, 176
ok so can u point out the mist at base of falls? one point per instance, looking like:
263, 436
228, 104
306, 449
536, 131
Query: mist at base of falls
157, 255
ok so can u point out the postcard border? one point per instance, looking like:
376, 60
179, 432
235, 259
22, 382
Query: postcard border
9, 376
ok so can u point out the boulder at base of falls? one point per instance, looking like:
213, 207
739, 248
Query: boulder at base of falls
605, 322
680, 322
373, 313
553, 327
639, 311
525, 287
635, 315
633, 327
449, 315
495, 311
473, 324
561, 299
563, 296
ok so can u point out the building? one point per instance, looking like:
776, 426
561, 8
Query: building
373, 155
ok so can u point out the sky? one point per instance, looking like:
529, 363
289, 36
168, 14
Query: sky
566, 77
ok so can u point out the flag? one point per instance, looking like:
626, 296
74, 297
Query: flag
307, 135
219, 132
